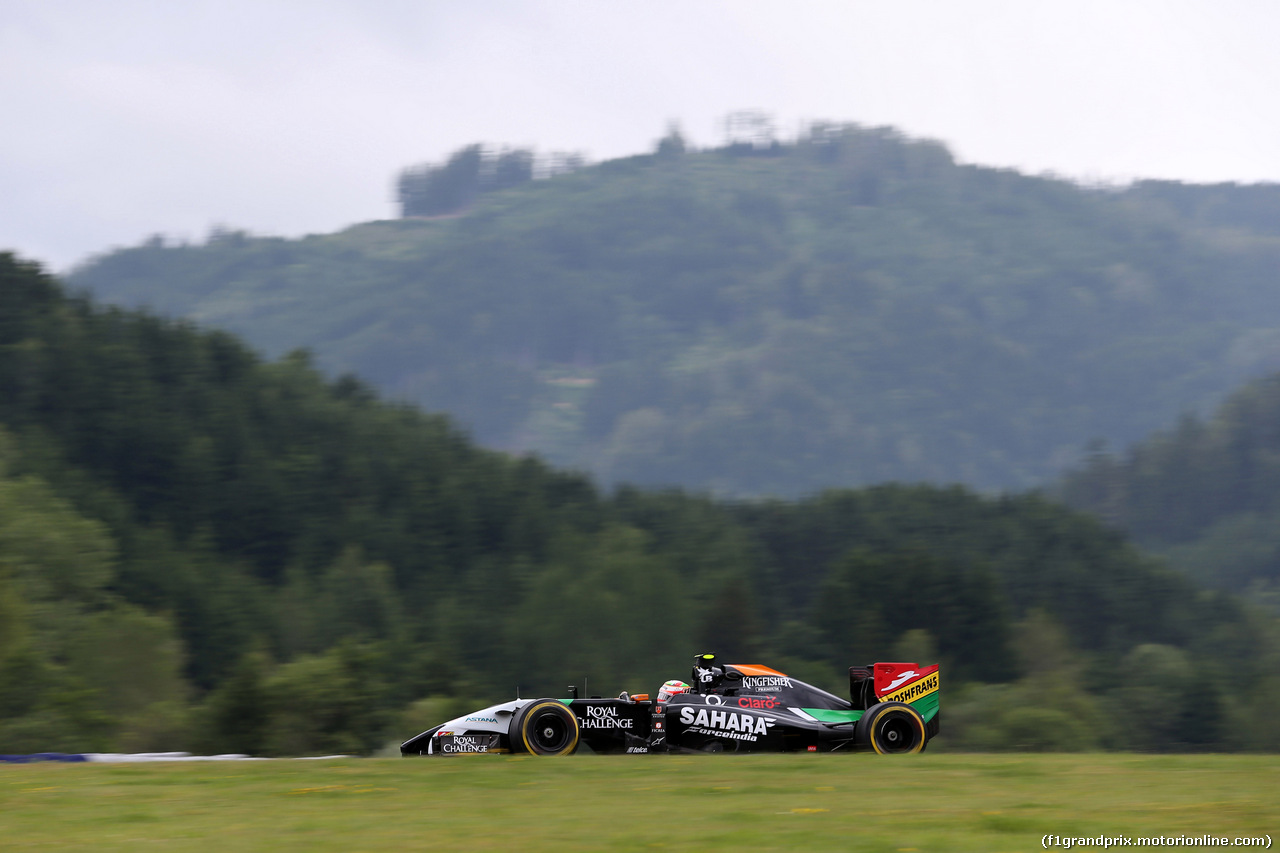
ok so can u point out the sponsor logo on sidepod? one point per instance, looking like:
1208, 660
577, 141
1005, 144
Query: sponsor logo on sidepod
480, 720
604, 717
768, 702
765, 683
726, 724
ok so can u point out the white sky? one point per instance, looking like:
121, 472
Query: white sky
123, 118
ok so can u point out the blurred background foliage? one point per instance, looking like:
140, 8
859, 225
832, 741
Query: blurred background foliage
1205, 494
768, 318
204, 549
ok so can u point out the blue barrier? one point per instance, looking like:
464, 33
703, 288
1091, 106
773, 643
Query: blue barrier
120, 758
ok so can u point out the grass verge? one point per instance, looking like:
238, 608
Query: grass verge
750, 803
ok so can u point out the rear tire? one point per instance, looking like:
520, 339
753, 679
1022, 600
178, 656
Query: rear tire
545, 727
892, 728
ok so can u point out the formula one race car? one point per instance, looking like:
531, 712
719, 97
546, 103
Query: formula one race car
893, 708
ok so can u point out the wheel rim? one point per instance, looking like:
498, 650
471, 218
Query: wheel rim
896, 733
550, 732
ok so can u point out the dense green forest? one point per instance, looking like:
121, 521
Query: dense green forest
204, 549
846, 308
1205, 494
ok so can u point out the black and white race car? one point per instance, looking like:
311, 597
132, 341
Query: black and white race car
892, 708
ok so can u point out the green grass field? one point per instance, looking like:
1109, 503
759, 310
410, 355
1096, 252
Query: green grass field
744, 803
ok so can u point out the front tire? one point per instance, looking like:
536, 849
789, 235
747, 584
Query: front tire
892, 728
545, 727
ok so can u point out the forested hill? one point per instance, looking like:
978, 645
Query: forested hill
1206, 493
848, 308
201, 549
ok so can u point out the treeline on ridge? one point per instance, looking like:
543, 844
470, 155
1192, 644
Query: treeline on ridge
201, 549
767, 318
1205, 493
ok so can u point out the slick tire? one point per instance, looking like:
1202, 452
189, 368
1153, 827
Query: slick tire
545, 727
891, 728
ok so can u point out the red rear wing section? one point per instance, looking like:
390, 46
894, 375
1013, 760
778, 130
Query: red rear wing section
904, 682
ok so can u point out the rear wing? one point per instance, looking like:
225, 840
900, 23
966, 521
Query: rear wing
894, 682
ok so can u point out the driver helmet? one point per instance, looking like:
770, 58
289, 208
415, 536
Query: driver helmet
671, 688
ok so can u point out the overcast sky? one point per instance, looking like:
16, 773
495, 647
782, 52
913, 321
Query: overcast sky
131, 117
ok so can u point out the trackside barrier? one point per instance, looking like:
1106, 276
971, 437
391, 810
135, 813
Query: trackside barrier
139, 757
